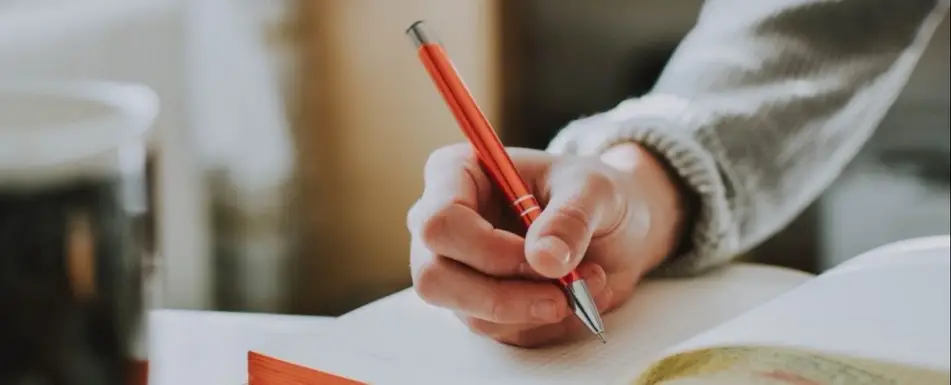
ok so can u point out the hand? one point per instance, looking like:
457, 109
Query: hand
613, 218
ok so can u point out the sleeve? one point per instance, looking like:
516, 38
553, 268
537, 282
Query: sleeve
761, 107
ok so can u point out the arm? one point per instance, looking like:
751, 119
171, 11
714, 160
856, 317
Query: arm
761, 107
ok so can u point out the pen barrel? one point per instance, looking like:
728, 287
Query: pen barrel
527, 208
476, 127
494, 159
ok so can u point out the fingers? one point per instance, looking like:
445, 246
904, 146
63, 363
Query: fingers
445, 283
533, 334
448, 222
583, 202
460, 233
449, 180
568, 329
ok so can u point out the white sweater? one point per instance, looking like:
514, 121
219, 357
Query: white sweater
761, 107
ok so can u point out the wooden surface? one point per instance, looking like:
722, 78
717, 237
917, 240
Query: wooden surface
369, 118
211, 348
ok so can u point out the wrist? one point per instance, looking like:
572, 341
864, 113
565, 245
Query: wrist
659, 189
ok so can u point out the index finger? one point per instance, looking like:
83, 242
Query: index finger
448, 218
447, 178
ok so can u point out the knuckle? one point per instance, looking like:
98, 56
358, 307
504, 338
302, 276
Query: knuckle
497, 263
599, 184
573, 212
426, 282
521, 338
497, 307
435, 226
479, 326
495, 266
413, 216
452, 153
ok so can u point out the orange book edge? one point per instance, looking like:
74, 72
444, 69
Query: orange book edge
267, 370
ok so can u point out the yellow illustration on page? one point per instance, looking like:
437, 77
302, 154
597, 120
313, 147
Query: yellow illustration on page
780, 366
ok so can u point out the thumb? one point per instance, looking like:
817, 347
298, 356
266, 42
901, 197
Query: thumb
580, 206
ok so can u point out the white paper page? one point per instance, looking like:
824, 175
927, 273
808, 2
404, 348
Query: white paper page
400, 339
925, 250
892, 304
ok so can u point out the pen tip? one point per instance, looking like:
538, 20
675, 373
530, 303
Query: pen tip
601, 337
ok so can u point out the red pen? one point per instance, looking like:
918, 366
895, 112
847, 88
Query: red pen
495, 160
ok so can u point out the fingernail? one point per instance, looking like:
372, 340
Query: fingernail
554, 247
544, 309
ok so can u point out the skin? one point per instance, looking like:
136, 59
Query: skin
614, 218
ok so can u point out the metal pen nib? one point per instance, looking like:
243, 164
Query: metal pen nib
585, 309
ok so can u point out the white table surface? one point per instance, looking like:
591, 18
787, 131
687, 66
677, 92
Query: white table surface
210, 348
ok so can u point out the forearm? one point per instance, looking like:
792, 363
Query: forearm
762, 106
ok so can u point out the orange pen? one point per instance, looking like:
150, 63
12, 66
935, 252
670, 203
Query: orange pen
495, 160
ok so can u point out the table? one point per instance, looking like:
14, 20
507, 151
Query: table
210, 347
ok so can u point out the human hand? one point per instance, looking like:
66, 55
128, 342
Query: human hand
613, 218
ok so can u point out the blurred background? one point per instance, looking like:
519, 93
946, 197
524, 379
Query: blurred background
292, 134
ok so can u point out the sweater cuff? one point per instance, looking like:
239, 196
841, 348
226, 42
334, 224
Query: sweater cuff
667, 126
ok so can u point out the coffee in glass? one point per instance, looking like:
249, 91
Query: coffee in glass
73, 233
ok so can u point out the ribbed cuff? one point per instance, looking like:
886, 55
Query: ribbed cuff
667, 127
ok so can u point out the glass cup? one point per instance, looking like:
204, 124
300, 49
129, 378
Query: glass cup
75, 232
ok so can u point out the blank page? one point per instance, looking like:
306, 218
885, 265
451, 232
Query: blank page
400, 339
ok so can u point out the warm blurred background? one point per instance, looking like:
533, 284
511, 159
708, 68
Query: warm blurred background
293, 133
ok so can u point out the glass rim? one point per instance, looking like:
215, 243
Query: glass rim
130, 110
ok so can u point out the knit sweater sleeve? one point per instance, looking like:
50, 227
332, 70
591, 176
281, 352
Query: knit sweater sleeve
761, 107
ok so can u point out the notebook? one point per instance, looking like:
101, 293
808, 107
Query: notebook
881, 318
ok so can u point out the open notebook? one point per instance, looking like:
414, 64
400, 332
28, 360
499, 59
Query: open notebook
881, 318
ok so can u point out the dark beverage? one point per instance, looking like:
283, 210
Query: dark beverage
70, 285
75, 234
